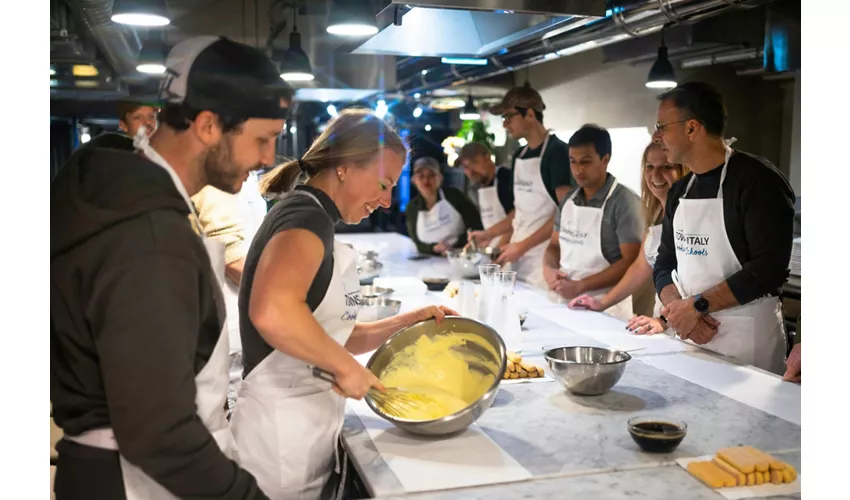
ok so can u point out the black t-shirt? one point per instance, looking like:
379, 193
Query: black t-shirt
758, 210
504, 180
297, 210
554, 166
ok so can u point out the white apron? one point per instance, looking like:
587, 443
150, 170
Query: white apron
442, 224
532, 209
492, 211
753, 333
252, 209
211, 382
580, 240
650, 251
287, 422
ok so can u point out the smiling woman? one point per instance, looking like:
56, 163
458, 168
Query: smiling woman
298, 306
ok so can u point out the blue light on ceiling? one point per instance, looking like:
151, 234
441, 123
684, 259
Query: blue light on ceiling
464, 60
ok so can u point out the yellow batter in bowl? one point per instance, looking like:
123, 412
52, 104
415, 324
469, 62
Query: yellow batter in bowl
436, 371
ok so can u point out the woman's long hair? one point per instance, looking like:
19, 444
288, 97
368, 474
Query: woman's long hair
355, 136
651, 205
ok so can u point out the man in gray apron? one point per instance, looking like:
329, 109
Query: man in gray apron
541, 178
139, 346
727, 235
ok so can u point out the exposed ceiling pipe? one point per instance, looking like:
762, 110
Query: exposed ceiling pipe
119, 45
624, 23
722, 58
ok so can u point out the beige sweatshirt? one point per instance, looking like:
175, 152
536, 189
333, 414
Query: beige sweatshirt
220, 219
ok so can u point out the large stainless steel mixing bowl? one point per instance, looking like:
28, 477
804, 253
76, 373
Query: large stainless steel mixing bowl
588, 371
486, 344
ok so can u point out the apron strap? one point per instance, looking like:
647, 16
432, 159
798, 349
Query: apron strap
722, 174
610, 192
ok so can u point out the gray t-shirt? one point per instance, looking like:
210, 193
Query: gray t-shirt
296, 210
622, 221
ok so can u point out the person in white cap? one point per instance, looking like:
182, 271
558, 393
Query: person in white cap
542, 177
139, 349
726, 237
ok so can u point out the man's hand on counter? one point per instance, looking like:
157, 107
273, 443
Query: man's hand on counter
703, 332
569, 289
552, 275
681, 315
792, 366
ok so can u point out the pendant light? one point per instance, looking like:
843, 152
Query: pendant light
352, 18
661, 75
140, 12
296, 65
470, 112
152, 57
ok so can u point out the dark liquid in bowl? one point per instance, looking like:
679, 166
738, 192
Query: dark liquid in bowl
436, 284
657, 437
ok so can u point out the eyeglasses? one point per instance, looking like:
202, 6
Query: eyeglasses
520, 111
659, 127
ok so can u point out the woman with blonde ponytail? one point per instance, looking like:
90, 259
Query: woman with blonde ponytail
298, 307
658, 176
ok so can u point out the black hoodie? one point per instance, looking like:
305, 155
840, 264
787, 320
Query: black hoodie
135, 313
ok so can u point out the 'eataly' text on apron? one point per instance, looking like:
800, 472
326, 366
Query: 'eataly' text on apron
691, 244
573, 236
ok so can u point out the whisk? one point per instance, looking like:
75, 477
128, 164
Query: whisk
396, 401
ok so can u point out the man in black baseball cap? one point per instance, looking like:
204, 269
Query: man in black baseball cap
139, 355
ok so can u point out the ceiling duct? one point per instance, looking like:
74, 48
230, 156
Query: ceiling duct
468, 28
620, 23
119, 45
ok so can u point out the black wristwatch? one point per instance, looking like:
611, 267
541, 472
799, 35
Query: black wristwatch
700, 304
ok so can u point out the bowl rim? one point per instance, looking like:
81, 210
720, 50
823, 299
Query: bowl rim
377, 291
547, 348
453, 416
681, 425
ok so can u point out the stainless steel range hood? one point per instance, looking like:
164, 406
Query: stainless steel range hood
469, 28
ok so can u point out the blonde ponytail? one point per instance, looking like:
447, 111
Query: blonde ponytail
354, 136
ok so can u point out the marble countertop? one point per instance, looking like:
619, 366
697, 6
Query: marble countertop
668, 481
581, 443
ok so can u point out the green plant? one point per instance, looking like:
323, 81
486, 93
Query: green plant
476, 131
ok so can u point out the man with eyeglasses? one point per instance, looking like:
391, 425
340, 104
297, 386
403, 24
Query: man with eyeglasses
727, 235
541, 173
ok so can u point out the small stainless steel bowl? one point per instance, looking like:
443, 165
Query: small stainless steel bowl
465, 264
371, 291
376, 308
487, 344
587, 371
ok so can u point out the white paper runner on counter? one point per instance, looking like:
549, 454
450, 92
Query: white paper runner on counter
422, 464
741, 492
741, 383
560, 326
